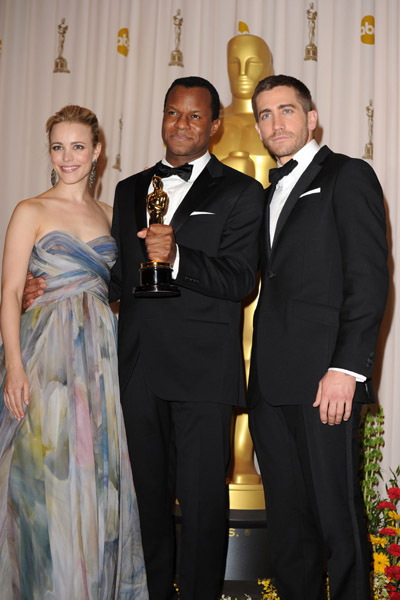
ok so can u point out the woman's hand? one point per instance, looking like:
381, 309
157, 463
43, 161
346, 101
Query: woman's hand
16, 391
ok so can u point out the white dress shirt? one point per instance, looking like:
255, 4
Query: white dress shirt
287, 183
283, 188
177, 188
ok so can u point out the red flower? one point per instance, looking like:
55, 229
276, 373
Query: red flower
394, 549
390, 588
394, 493
388, 531
394, 595
393, 572
386, 504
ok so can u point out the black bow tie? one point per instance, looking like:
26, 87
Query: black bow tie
276, 174
184, 171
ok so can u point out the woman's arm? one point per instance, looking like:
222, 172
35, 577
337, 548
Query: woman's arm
20, 238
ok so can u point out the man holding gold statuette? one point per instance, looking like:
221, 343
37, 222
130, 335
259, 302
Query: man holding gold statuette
180, 356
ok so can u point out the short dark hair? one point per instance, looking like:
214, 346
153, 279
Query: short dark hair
273, 81
192, 82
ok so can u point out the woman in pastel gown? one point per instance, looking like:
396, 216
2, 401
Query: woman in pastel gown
69, 525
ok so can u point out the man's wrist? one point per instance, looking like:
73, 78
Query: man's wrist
359, 378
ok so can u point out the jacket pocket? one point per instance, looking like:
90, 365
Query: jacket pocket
316, 313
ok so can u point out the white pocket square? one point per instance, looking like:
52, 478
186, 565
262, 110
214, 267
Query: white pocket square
199, 212
314, 191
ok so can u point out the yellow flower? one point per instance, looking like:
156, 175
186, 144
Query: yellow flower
269, 592
393, 515
377, 540
380, 561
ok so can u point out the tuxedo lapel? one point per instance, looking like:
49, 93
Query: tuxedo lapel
269, 192
196, 196
141, 192
300, 187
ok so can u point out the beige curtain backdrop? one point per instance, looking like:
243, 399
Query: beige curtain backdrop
124, 82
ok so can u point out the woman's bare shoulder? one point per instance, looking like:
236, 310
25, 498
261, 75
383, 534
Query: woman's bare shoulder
107, 209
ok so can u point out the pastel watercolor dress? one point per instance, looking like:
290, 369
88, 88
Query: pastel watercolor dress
69, 525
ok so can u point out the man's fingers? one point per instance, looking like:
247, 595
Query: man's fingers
318, 396
347, 412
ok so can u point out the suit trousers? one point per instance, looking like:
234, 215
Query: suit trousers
180, 447
315, 518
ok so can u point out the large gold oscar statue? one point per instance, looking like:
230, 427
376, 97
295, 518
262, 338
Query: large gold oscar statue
238, 145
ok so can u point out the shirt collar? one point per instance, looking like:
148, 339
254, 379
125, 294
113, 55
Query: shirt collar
304, 157
198, 164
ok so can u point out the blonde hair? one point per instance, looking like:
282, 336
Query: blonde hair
75, 114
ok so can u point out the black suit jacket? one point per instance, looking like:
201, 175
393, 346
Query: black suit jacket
324, 282
190, 346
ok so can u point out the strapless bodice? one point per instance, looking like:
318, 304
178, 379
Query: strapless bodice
71, 266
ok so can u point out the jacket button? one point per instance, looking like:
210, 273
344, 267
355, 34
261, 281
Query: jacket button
270, 274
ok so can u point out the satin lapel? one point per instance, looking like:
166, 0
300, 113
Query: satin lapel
301, 186
269, 192
141, 191
196, 196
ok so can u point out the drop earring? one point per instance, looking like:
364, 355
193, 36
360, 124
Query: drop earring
92, 176
53, 177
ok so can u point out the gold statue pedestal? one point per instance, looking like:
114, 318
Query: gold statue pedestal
60, 65
176, 59
246, 496
311, 52
369, 151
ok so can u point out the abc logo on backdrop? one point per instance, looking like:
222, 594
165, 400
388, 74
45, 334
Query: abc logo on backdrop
123, 41
368, 30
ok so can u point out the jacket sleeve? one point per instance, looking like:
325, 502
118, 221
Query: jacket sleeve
361, 225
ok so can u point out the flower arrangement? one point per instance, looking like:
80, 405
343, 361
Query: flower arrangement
382, 513
383, 516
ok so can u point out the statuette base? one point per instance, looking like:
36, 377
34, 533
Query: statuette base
60, 65
176, 59
369, 151
155, 281
311, 52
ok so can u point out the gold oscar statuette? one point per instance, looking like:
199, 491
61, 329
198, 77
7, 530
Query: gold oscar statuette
117, 164
238, 145
60, 64
311, 50
369, 146
176, 59
155, 276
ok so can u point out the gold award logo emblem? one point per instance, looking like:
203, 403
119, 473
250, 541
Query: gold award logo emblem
123, 41
60, 64
176, 55
368, 30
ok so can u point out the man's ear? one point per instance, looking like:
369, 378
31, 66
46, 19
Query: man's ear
215, 126
258, 131
312, 120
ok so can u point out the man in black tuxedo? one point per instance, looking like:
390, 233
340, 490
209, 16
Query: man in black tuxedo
180, 358
323, 295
